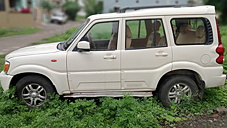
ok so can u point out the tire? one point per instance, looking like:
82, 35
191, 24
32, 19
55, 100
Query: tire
175, 88
34, 90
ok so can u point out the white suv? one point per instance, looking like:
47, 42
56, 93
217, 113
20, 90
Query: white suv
175, 51
58, 17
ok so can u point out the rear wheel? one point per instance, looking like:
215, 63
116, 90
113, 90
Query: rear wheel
175, 89
34, 90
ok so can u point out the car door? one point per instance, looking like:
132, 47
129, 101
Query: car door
99, 68
147, 55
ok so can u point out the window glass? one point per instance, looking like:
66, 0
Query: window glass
2, 5
137, 28
145, 33
189, 31
102, 36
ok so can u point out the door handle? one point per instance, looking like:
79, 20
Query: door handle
161, 54
110, 57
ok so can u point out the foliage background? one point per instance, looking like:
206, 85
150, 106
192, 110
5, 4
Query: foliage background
220, 6
45, 4
71, 9
93, 7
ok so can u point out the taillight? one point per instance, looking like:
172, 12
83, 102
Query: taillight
220, 49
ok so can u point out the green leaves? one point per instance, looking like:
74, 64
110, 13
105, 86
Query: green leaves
71, 8
45, 4
93, 7
126, 112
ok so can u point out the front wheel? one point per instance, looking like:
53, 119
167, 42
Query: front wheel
176, 88
34, 90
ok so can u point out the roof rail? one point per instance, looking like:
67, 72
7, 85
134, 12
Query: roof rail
123, 10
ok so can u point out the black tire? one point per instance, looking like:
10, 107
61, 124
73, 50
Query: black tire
34, 90
52, 21
175, 88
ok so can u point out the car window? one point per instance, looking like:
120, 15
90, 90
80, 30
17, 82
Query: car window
144, 33
190, 31
138, 28
75, 34
103, 36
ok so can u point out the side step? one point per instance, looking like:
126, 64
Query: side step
108, 94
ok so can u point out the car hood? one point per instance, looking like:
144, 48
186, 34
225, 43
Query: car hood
34, 50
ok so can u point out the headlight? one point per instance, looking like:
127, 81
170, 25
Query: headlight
6, 67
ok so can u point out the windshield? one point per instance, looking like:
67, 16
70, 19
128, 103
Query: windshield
75, 34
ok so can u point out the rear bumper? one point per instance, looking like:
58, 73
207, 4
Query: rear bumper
5, 80
216, 81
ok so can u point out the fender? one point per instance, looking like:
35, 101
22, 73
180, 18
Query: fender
59, 79
211, 75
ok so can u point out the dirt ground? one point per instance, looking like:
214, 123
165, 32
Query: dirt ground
207, 121
215, 120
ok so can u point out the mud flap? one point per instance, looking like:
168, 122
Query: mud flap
201, 87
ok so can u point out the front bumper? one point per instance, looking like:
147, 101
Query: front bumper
5, 80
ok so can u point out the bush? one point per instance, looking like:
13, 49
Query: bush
45, 4
93, 7
71, 9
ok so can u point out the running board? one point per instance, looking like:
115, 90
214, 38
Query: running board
108, 94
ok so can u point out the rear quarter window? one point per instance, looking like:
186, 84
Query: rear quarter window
192, 31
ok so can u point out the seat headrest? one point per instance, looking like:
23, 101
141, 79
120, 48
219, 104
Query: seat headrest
128, 32
156, 25
200, 31
184, 28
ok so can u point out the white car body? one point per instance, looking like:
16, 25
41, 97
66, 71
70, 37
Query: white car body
114, 72
58, 17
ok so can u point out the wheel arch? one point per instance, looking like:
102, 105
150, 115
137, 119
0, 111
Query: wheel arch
186, 72
17, 77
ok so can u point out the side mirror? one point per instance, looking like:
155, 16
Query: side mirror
83, 46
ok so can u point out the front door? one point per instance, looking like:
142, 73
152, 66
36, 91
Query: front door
99, 68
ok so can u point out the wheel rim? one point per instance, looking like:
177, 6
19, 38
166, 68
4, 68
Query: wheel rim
34, 94
179, 91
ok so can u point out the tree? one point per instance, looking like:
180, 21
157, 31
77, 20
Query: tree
220, 7
93, 7
71, 9
45, 4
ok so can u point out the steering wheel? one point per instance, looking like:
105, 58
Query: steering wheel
92, 44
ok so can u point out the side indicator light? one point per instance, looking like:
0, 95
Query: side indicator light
53, 60
6, 67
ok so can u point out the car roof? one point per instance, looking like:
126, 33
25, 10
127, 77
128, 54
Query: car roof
197, 10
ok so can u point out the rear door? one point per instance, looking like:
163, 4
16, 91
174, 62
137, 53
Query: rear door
149, 55
194, 45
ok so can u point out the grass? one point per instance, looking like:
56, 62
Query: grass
18, 31
223, 30
2, 60
106, 112
57, 38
